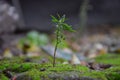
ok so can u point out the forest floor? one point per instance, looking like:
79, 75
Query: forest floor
105, 67
29, 56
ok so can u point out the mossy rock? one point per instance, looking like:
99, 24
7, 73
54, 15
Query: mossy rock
45, 71
112, 73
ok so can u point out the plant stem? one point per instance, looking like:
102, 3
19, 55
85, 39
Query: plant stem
60, 27
57, 42
55, 54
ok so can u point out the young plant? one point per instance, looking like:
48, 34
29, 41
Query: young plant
61, 26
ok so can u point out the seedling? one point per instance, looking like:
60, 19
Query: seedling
61, 26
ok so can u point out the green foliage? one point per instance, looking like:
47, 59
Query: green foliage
34, 38
60, 27
37, 39
62, 45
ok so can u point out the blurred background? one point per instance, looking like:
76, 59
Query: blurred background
36, 14
96, 21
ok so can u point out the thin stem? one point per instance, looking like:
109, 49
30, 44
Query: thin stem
55, 54
57, 42
60, 27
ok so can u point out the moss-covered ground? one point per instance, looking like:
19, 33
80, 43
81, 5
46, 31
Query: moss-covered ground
37, 70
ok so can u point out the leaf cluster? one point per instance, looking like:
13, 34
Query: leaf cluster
60, 27
60, 22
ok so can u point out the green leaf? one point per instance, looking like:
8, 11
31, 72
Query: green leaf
62, 20
67, 27
58, 16
54, 19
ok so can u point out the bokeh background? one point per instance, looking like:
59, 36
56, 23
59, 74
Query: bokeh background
95, 21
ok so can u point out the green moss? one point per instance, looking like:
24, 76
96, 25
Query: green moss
113, 76
34, 73
3, 77
112, 73
34, 70
62, 70
15, 66
66, 67
96, 75
109, 59
113, 69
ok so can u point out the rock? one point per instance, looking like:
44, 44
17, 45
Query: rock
8, 17
75, 60
42, 69
65, 54
7, 54
21, 76
27, 60
33, 54
59, 54
57, 76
